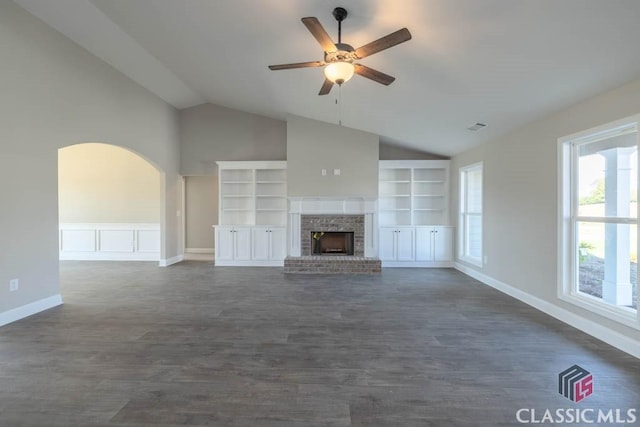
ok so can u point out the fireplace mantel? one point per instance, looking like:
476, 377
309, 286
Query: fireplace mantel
332, 205
299, 206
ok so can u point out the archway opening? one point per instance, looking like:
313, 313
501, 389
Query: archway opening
110, 204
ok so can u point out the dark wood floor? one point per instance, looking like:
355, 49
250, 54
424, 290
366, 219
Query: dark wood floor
192, 344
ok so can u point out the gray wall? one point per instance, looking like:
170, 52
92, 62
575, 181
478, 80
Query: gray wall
201, 211
395, 152
314, 145
209, 133
520, 196
56, 94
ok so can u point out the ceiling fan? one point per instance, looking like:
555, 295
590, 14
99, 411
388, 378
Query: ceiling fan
339, 58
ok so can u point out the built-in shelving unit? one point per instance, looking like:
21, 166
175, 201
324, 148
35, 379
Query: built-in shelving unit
413, 213
253, 193
252, 213
413, 192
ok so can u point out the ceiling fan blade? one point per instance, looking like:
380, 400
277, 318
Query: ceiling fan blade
383, 43
297, 65
374, 75
317, 30
326, 87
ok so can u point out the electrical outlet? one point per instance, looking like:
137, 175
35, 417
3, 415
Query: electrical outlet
14, 284
324, 172
336, 171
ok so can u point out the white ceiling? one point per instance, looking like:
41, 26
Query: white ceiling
500, 62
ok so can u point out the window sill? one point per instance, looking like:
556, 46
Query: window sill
627, 317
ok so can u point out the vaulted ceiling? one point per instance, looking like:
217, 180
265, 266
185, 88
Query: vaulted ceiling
500, 62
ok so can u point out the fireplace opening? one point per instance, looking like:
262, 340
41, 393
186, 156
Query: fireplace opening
332, 242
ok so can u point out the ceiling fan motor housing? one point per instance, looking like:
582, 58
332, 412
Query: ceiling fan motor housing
345, 53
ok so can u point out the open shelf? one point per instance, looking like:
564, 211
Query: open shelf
253, 193
413, 192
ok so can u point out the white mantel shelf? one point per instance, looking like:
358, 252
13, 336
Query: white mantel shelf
332, 205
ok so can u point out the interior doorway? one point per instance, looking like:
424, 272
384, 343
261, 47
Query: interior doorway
200, 214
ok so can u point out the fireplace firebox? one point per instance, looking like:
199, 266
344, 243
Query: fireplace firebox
332, 242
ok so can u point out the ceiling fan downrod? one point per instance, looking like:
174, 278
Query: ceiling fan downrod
340, 13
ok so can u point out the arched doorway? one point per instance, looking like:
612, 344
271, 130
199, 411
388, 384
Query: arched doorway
110, 203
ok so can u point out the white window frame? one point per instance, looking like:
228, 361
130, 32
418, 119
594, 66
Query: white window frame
464, 214
568, 219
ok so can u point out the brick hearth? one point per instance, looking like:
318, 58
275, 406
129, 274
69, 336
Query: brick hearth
332, 265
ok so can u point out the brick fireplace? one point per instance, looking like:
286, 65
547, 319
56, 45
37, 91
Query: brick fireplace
311, 224
311, 219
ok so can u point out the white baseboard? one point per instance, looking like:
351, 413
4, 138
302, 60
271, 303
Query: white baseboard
30, 309
171, 261
250, 263
208, 251
611, 337
109, 256
417, 264
198, 257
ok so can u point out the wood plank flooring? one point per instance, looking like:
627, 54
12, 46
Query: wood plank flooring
194, 344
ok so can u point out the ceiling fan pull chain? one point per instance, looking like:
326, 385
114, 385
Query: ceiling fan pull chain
339, 105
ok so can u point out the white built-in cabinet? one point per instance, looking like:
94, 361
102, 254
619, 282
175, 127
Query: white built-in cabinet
252, 213
434, 244
413, 213
233, 244
397, 243
268, 243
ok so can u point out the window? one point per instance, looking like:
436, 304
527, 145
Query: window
599, 220
470, 237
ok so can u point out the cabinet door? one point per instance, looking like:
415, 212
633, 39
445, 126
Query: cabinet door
443, 244
387, 243
405, 244
260, 243
242, 244
278, 243
224, 243
424, 244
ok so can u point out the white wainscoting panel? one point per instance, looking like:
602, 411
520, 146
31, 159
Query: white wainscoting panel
110, 242
148, 241
116, 240
78, 240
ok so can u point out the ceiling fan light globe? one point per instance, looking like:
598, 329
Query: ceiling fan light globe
339, 72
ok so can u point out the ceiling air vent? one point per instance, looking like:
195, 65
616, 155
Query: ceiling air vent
477, 126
